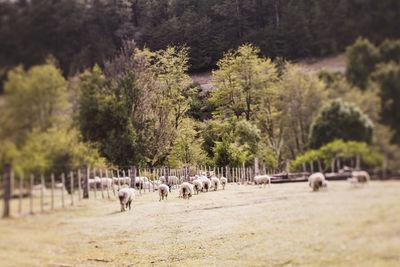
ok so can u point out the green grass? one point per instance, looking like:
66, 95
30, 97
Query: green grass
284, 225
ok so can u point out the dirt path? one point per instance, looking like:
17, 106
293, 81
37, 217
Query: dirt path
241, 226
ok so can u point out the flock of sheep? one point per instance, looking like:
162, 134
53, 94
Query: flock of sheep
204, 183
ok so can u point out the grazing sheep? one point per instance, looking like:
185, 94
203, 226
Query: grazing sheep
215, 183
317, 181
126, 196
106, 182
361, 177
262, 180
39, 187
59, 186
223, 181
197, 185
163, 191
206, 183
186, 190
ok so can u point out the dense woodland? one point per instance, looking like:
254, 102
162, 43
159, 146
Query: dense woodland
107, 83
81, 33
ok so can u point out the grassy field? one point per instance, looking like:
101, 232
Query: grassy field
285, 225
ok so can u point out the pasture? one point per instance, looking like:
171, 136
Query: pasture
245, 225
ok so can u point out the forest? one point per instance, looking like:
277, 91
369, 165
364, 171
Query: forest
107, 83
81, 33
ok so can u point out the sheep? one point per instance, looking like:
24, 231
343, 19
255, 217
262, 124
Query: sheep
262, 180
106, 182
361, 177
317, 181
172, 180
215, 183
186, 190
126, 196
146, 186
163, 191
39, 187
59, 186
197, 185
223, 181
206, 183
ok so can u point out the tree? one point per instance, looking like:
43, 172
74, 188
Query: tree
387, 77
340, 120
104, 119
362, 57
35, 99
186, 148
242, 80
300, 94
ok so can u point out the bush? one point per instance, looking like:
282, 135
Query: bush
340, 120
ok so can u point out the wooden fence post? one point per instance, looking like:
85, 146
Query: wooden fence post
304, 167
358, 162
133, 176
244, 174
52, 191
228, 176
21, 180
256, 167
108, 184
264, 170
31, 178
71, 174
154, 178
119, 182
95, 183
338, 164
312, 166
333, 165
85, 181
287, 165
79, 185
7, 189
62, 189
42, 193
319, 165
101, 183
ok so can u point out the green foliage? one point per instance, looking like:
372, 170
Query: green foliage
387, 76
243, 79
37, 133
390, 50
186, 148
35, 98
56, 150
340, 120
300, 96
346, 151
104, 118
288, 29
362, 57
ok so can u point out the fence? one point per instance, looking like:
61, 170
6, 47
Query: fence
29, 195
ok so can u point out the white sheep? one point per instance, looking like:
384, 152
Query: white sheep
186, 190
317, 181
126, 196
163, 191
263, 180
197, 185
39, 187
206, 183
223, 181
215, 183
361, 177
106, 182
